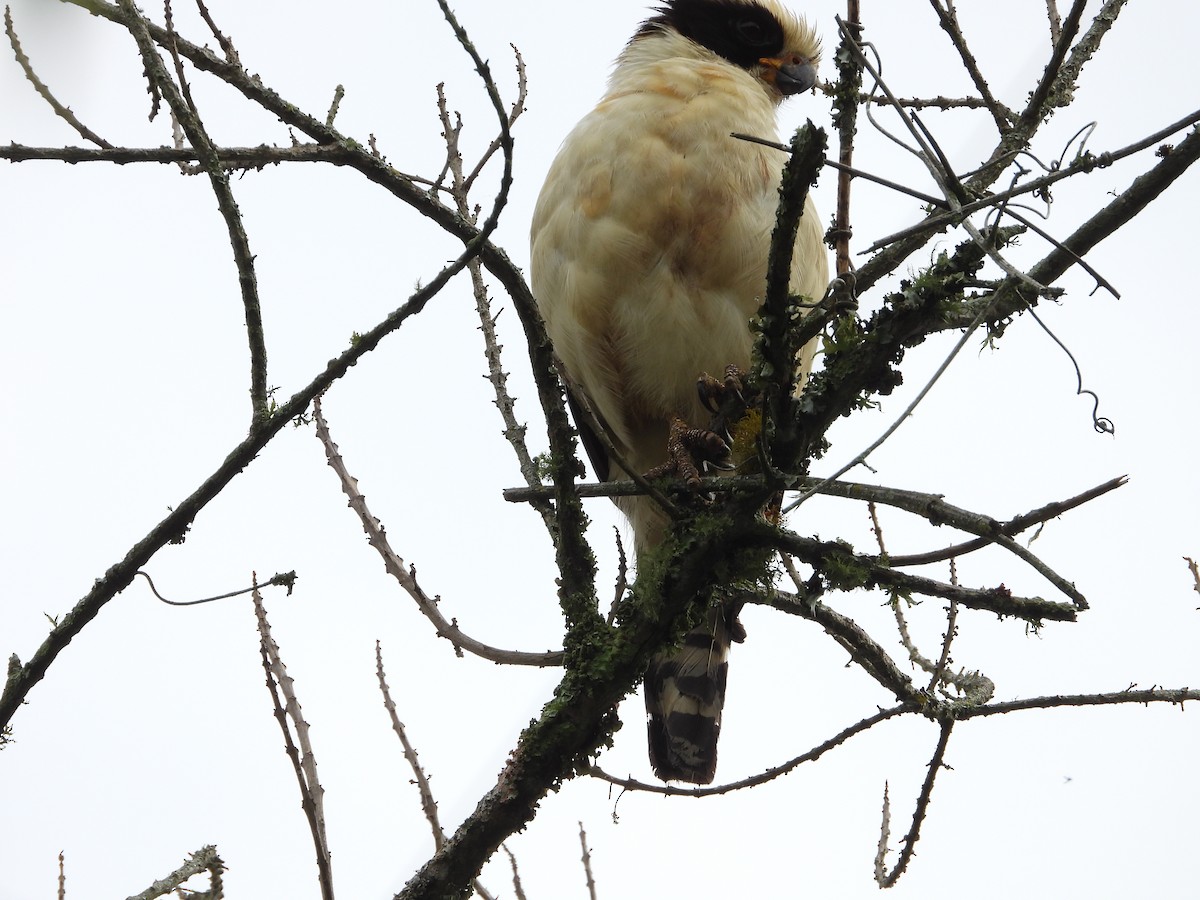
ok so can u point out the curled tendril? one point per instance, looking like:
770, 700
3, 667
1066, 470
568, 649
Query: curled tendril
1102, 424
287, 580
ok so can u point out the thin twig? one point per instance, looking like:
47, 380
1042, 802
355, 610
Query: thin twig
1055, 19
339, 92
459, 190
867, 572
1195, 570
1013, 526
889, 259
1101, 281
632, 784
428, 804
299, 750
1082, 164
948, 19
622, 580
183, 108
518, 889
909, 841
1174, 696
203, 860
518, 107
853, 638
406, 575
60, 110
587, 863
845, 119
862, 455
1056, 86
1084, 49
939, 102
227, 47
939, 672
172, 529
885, 834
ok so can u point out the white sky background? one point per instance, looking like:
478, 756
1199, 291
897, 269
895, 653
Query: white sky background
126, 383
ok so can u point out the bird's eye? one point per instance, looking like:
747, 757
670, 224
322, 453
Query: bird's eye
752, 32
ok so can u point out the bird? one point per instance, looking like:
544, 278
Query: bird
648, 260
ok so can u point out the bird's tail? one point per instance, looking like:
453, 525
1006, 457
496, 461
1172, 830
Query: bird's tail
685, 692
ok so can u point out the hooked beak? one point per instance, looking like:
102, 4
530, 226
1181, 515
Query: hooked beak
790, 75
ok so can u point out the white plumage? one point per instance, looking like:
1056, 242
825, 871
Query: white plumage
649, 251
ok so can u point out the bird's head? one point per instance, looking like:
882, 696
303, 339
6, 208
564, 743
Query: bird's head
761, 36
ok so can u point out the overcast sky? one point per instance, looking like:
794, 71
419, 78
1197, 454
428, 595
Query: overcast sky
125, 377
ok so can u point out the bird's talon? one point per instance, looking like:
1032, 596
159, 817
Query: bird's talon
734, 378
690, 451
710, 392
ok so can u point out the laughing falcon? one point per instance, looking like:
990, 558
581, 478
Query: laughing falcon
649, 258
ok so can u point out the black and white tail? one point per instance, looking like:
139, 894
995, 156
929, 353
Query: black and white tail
685, 692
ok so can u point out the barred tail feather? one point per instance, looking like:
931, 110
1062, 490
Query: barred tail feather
685, 692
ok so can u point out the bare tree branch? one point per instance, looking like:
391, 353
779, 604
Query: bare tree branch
1060, 80
948, 19
1011, 142
184, 111
299, 751
845, 118
909, 841
603, 659
587, 863
1013, 526
428, 804
1194, 568
518, 890
771, 774
1056, 87
1083, 163
1055, 18
406, 574
60, 110
1174, 696
203, 860
459, 189
173, 528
